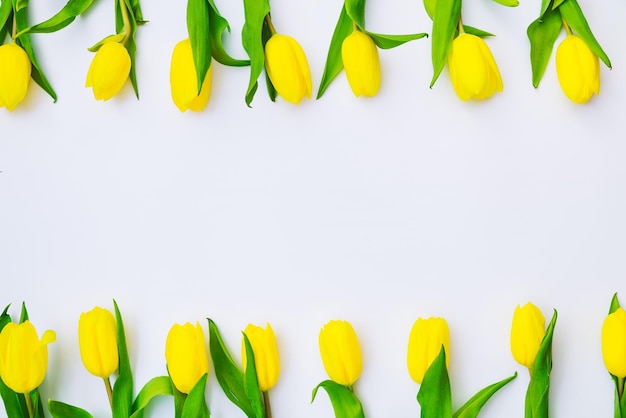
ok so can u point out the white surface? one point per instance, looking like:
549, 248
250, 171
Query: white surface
376, 211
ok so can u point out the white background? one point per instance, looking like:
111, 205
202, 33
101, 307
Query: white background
377, 211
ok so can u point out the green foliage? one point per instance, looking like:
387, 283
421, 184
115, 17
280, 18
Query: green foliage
472, 407
445, 21
573, 15
537, 395
345, 403
198, 28
63, 410
435, 395
123, 388
252, 39
542, 34
195, 405
61, 19
157, 386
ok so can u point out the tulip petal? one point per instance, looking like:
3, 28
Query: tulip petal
109, 70
287, 68
361, 63
15, 70
184, 80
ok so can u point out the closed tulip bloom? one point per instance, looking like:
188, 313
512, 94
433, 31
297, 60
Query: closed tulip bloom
263, 342
184, 80
97, 338
425, 342
186, 357
287, 68
527, 333
614, 343
15, 69
23, 356
473, 70
360, 61
109, 70
341, 353
578, 69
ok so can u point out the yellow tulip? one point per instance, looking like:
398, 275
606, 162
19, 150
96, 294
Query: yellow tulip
425, 342
527, 333
15, 70
614, 343
23, 356
186, 357
360, 60
184, 80
287, 68
473, 70
263, 342
97, 338
340, 352
109, 70
578, 69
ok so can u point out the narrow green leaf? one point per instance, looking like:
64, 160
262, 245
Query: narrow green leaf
115, 38
430, 5
123, 388
345, 402
132, 7
217, 26
64, 17
251, 382
434, 396
6, 8
391, 41
573, 15
545, 5
271, 90
228, 374
478, 32
156, 386
334, 62
472, 407
195, 405
508, 3
63, 410
20, 4
356, 11
620, 411
38, 409
537, 395
251, 37
445, 22
557, 3
5, 318
198, 29
542, 34
179, 398
11, 402
614, 304
23, 313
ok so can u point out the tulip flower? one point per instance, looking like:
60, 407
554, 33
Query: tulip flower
287, 68
184, 80
263, 342
473, 70
360, 61
109, 70
340, 351
614, 343
23, 356
186, 357
97, 338
15, 70
527, 332
425, 342
578, 69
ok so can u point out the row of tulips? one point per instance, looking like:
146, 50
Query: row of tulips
103, 349
473, 71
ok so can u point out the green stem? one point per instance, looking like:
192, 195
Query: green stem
29, 405
620, 387
461, 28
126, 20
270, 25
568, 30
266, 404
107, 385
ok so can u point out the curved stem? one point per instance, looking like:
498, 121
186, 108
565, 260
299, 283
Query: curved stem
29, 405
461, 28
126, 20
270, 25
566, 26
266, 404
107, 385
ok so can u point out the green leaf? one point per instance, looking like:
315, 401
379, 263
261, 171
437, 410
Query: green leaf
229, 376
64, 17
430, 5
446, 19
356, 11
20, 4
392, 41
537, 395
271, 90
252, 40
344, 401
545, 5
23, 314
123, 388
11, 402
475, 31
620, 404
5, 318
198, 28
542, 34
573, 15
251, 382
195, 405
508, 3
6, 8
37, 403
156, 386
472, 407
434, 396
63, 410
556, 4
614, 304
334, 62
217, 26
132, 8
119, 37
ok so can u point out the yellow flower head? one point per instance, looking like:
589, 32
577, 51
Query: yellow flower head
287, 68
360, 60
109, 70
473, 70
614, 343
97, 338
263, 342
340, 351
23, 356
578, 69
186, 357
15, 69
425, 341
184, 80
527, 332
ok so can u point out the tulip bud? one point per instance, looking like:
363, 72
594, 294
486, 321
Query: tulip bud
360, 61
184, 80
287, 68
473, 70
15, 70
23, 356
578, 69
109, 70
340, 351
97, 339
186, 357
527, 333
425, 342
614, 343
265, 351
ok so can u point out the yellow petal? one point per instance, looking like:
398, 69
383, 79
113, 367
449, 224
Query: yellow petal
361, 63
578, 69
341, 353
15, 68
614, 343
184, 80
263, 342
287, 68
185, 354
109, 70
97, 339
527, 332
425, 342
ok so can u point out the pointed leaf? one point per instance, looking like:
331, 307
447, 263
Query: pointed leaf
11, 402
475, 31
508, 3
430, 5
251, 37
123, 388
344, 401
391, 41
119, 37
198, 29
573, 15
542, 34
5, 11
334, 62
356, 11
251, 382
217, 26
156, 386
445, 22
614, 304
545, 5
63, 410
64, 17
23, 314
556, 4
195, 405
472, 407
539, 387
434, 396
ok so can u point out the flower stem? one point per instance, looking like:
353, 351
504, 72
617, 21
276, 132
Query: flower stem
126, 20
266, 403
270, 25
29, 405
566, 26
620, 387
461, 28
107, 385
